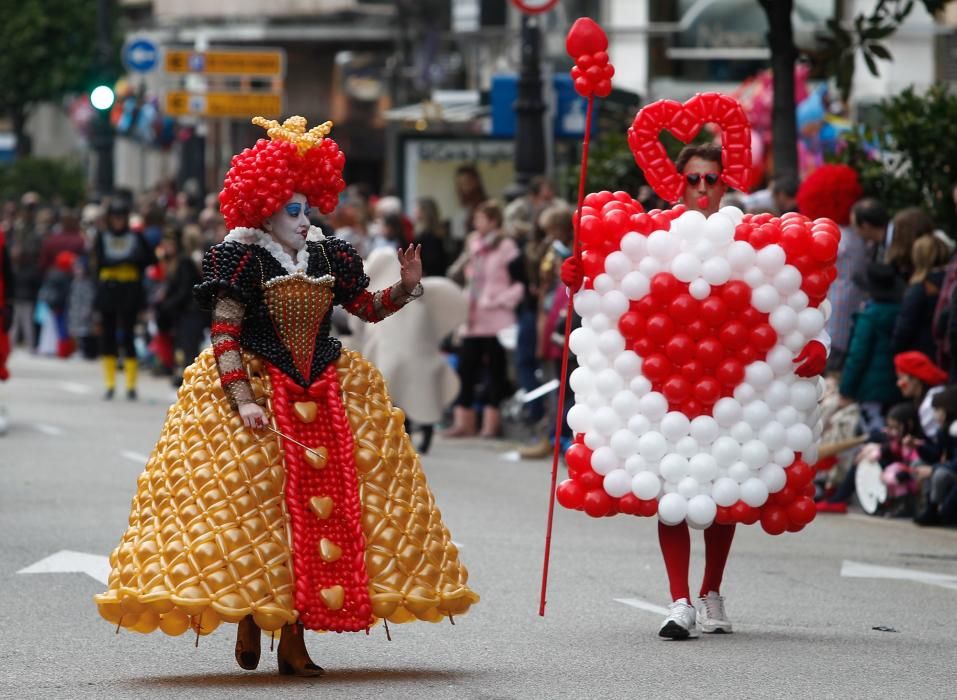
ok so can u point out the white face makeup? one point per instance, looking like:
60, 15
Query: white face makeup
290, 224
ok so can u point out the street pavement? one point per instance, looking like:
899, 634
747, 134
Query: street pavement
884, 629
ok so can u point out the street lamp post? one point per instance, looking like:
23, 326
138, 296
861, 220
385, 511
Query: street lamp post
530, 106
102, 140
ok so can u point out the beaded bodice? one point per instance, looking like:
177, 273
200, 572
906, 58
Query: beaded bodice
297, 305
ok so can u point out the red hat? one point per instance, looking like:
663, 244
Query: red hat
918, 365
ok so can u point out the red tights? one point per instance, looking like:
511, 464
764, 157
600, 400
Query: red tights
675, 541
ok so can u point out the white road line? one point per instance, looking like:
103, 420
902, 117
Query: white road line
65, 561
76, 388
854, 569
134, 457
643, 605
47, 429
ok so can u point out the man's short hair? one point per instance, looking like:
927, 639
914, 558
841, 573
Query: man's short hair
870, 211
707, 151
786, 185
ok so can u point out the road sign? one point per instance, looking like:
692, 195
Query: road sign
534, 7
270, 62
180, 103
141, 55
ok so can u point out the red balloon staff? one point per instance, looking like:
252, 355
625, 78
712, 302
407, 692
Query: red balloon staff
587, 44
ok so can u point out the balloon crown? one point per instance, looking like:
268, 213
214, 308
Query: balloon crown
294, 131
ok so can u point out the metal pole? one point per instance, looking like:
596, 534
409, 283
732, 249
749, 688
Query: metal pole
530, 106
102, 130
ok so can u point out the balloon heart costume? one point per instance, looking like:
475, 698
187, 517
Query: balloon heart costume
701, 344
332, 524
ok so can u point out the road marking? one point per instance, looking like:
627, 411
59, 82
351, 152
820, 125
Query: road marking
76, 388
47, 429
65, 561
854, 569
134, 457
643, 605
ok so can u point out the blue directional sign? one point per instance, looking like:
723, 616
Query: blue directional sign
141, 55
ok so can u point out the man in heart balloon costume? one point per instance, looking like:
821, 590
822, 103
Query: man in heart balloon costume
700, 352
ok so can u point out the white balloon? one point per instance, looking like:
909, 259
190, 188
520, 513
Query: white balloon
745, 393
754, 492
597, 361
781, 360
635, 285
638, 424
771, 259
765, 298
800, 437
673, 467
672, 508
726, 451
694, 220
704, 429
609, 382
625, 404
582, 340
777, 395
639, 385
716, 271
825, 307
653, 405
795, 341
604, 460
614, 303
701, 511
703, 249
773, 477
604, 283
627, 364
594, 440
741, 256
742, 432
624, 443
667, 487
754, 278
804, 395
810, 322
579, 418
798, 300
688, 487
686, 267
719, 229
784, 456
634, 245
650, 266
687, 447
787, 281
788, 416
617, 483
810, 454
774, 435
606, 421
732, 213
652, 446
703, 467
727, 412
725, 491
611, 343
595, 400
740, 472
674, 426
645, 486
599, 323
617, 264
635, 464
581, 380
587, 302
699, 289
755, 454
756, 414
758, 374
662, 245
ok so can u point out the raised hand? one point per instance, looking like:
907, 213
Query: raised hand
410, 264
812, 359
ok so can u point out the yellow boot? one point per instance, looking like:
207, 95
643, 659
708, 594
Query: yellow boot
130, 367
109, 375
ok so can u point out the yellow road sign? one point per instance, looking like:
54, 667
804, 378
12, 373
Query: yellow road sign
226, 62
223, 104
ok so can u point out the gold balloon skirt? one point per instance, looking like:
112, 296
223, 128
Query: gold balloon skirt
229, 522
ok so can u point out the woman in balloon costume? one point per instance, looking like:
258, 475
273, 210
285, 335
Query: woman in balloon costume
283, 493
700, 352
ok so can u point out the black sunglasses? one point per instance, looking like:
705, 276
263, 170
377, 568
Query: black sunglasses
694, 178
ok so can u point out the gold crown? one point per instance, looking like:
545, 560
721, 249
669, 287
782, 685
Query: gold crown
294, 131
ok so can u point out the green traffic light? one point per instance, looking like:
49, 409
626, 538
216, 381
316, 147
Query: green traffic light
102, 97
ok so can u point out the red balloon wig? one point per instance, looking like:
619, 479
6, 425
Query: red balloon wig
830, 192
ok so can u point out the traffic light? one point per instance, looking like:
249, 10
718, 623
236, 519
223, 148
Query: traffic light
102, 97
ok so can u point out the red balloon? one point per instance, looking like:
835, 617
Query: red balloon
815, 284
751, 317
737, 295
774, 519
590, 479
597, 503
707, 391
802, 511
824, 247
680, 349
578, 459
794, 527
593, 262
709, 352
629, 504
697, 329
591, 230
733, 335
683, 309
793, 240
692, 371
676, 389
724, 516
643, 346
784, 497
799, 475
665, 287
730, 372
743, 513
616, 221
692, 408
648, 508
570, 494
660, 328
656, 367
631, 324
742, 231
714, 311
763, 337
646, 306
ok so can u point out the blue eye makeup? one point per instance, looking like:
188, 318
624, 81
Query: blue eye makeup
294, 209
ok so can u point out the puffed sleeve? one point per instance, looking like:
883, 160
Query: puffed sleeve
229, 269
346, 263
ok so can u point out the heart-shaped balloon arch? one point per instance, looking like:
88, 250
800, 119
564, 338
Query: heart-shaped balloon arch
687, 404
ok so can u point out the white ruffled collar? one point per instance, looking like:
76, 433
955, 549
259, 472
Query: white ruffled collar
255, 236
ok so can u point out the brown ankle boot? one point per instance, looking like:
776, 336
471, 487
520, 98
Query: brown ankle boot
292, 657
463, 423
491, 423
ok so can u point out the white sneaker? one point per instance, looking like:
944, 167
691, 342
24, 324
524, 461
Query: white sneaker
680, 623
711, 615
